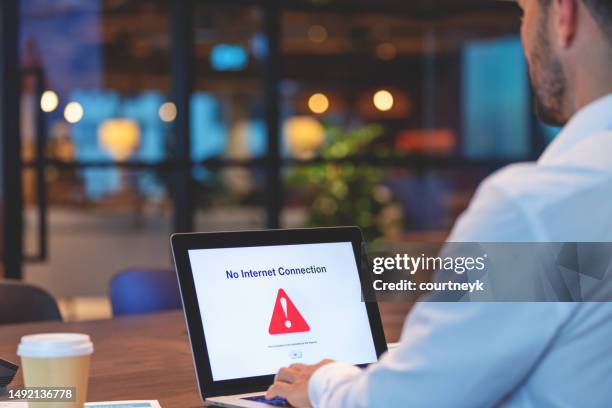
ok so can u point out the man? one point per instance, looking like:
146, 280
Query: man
513, 354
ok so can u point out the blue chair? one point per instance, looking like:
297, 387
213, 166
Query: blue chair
142, 291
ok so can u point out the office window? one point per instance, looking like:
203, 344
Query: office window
383, 114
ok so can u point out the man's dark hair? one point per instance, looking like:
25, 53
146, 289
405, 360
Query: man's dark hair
601, 10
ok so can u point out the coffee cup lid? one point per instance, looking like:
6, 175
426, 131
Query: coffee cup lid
47, 345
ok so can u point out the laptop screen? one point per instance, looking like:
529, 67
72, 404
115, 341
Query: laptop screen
265, 307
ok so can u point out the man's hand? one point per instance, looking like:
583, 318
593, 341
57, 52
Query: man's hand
291, 383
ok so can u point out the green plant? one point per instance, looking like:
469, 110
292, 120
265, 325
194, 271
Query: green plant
344, 193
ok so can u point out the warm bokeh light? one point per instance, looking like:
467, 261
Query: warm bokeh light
383, 100
119, 137
49, 101
304, 136
73, 112
386, 51
167, 112
318, 103
317, 33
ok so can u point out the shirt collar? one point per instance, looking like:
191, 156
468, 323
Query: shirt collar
593, 118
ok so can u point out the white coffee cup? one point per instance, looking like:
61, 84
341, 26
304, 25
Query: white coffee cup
57, 360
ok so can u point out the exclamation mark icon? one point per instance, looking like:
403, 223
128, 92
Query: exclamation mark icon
283, 302
281, 322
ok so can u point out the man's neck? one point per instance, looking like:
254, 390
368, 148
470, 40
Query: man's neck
592, 82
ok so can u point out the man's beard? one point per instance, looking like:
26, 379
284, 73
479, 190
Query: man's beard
548, 81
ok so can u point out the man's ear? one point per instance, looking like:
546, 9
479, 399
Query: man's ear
566, 19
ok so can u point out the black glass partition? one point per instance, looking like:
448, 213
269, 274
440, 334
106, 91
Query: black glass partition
145, 117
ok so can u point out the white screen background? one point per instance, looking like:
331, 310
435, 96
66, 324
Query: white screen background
236, 313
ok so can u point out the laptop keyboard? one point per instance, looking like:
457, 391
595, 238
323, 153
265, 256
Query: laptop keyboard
276, 402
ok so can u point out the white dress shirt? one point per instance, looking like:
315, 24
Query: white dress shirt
507, 354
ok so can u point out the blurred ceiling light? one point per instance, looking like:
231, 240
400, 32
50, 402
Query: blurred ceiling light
386, 51
119, 137
304, 136
73, 112
167, 112
318, 103
228, 57
383, 100
317, 33
49, 101
395, 100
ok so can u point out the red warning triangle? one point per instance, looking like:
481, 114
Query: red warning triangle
285, 317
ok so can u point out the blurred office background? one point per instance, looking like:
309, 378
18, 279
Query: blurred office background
138, 118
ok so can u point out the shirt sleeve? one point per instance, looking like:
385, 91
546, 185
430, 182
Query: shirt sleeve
450, 355
494, 215
455, 354
331, 376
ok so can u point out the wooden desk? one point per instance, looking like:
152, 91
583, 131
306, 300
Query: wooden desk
144, 357
141, 357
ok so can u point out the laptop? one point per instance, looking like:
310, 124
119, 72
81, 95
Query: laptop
256, 301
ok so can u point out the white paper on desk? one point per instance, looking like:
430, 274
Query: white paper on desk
13, 404
123, 404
